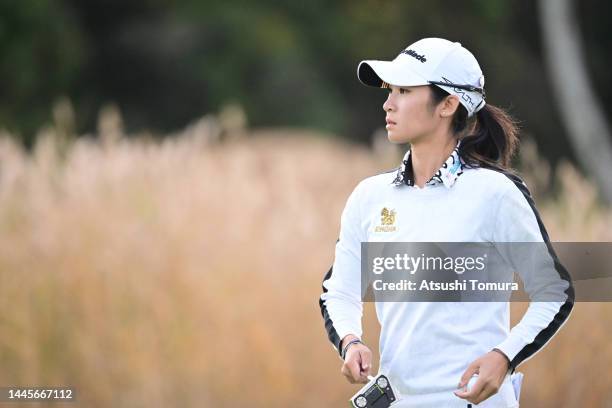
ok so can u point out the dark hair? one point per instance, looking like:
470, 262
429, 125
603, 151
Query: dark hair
488, 139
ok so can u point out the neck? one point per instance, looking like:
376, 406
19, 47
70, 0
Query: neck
428, 156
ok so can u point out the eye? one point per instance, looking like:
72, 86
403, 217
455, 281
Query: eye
402, 90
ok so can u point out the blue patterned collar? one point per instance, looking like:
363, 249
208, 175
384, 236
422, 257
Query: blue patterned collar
447, 174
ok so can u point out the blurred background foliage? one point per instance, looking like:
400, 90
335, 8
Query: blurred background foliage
166, 63
148, 176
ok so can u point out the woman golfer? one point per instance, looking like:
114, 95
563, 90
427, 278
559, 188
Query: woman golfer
453, 185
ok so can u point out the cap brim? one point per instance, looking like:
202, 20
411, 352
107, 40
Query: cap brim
373, 73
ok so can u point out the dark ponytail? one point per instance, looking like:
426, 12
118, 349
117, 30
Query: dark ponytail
489, 138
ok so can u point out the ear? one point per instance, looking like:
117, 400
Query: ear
448, 106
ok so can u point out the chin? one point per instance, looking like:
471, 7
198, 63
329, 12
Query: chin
398, 139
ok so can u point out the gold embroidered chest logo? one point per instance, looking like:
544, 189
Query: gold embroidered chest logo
387, 220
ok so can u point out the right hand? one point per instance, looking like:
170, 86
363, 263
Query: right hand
358, 362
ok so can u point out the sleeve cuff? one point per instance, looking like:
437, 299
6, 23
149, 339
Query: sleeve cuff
343, 333
511, 347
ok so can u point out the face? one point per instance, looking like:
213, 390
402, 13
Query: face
410, 115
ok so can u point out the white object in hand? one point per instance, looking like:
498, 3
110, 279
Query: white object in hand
471, 382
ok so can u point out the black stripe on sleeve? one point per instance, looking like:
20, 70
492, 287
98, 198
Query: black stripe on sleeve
329, 325
564, 311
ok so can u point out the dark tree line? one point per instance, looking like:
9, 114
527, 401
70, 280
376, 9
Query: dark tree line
290, 63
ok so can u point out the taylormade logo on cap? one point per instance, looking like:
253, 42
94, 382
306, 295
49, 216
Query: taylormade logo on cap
447, 62
414, 54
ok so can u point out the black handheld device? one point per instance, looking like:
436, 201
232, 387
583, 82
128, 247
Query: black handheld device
377, 393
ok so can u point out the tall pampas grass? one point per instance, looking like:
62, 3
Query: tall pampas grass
186, 271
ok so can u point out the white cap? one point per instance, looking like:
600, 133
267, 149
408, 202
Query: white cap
431, 60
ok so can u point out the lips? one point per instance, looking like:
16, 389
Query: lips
390, 122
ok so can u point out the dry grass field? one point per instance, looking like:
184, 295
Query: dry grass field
184, 273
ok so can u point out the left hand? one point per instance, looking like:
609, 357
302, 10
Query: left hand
491, 369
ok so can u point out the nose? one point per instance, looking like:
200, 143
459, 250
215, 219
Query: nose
388, 106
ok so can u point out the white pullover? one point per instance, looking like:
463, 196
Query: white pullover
425, 347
